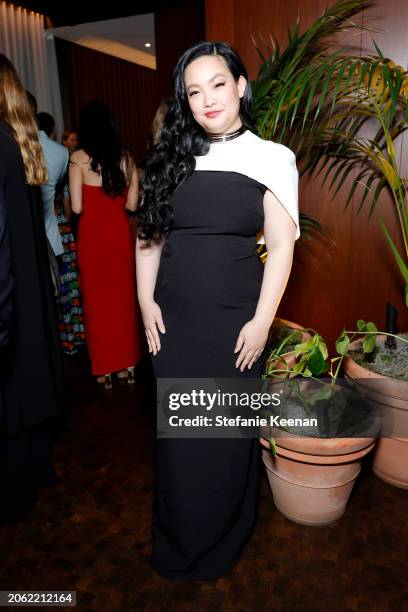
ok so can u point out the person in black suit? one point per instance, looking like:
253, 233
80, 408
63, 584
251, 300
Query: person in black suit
6, 285
32, 375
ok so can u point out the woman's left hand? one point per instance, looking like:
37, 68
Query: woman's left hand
251, 342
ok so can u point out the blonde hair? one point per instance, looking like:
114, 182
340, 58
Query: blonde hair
158, 120
15, 110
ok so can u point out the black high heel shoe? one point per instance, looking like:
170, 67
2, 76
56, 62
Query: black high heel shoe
106, 380
129, 373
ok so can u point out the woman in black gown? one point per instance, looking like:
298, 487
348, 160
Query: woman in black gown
207, 302
31, 376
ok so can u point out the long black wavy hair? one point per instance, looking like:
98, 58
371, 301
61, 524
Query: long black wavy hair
171, 161
100, 139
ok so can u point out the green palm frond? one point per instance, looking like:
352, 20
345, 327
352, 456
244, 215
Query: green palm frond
320, 101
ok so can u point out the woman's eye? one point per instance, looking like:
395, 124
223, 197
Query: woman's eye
220, 84
192, 93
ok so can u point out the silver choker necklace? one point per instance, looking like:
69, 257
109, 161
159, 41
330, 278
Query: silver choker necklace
226, 137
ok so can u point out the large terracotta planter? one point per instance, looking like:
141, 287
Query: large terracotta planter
312, 478
391, 396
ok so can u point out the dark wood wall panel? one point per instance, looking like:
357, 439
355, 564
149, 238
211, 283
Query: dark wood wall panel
177, 27
337, 284
222, 27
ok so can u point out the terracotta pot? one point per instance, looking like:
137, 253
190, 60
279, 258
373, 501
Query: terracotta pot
390, 395
290, 358
311, 478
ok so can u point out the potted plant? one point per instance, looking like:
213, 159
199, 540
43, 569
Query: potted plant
317, 101
380, 369
284, 335
311, 476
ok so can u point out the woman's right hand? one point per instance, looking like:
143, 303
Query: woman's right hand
153, 323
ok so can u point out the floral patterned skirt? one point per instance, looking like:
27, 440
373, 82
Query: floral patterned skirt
70, 315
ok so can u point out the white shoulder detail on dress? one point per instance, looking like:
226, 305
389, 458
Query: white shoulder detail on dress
278, 172
270, 163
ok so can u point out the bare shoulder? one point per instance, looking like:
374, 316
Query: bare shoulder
79, 158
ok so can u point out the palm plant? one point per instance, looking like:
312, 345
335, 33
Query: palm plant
317, 99
378, 98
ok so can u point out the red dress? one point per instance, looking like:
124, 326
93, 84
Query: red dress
106, 260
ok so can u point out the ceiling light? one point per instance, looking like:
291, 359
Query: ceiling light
147, 45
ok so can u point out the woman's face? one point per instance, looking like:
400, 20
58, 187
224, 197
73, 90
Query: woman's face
213, 94
71, 142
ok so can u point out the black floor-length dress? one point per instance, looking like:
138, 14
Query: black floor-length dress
32, 375
208, 286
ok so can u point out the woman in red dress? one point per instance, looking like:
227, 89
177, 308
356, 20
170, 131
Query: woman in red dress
104, 184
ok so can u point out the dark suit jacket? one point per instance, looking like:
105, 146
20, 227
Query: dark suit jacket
6, 283
35, 350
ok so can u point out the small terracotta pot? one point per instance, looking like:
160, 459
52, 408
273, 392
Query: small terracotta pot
311, 478
390, 395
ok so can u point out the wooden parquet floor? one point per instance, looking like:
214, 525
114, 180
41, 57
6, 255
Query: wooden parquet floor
91, 531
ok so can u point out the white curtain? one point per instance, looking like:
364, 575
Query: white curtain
24, 41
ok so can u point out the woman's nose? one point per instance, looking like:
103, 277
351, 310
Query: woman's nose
209, 99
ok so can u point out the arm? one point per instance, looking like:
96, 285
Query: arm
147, 266
133, 191
279, 232
66, 201
75, 183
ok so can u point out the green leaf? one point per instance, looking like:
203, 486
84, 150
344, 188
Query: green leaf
316, 362
324, 393
380, 186
372, 73
337, 83
321, 345
364, 71
342, 344
403, 267
371, 327
303, 347
354, 187
389, 80
367, 189
273, 446
369, 343
323, 95
348, 167
261, 55
296, 95
263, 89
377, 49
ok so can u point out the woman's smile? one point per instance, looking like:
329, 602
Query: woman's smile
212, 114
